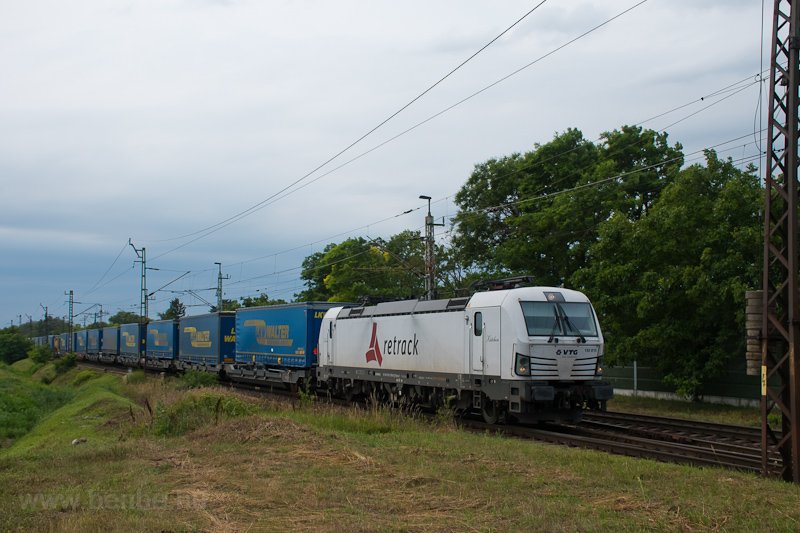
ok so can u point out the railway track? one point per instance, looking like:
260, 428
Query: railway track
100, 367
649, 437
663, 439
676, 428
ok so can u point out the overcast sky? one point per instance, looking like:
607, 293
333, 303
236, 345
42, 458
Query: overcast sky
153, 120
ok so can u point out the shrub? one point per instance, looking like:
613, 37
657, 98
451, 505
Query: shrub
137, 376
194, 379
46, 374
40, 354
65, 363
23, 404
197, 410
83, 376
13, 345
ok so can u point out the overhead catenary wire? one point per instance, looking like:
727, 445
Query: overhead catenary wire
295, 286
288, 190
380, 124
687, 156
704, 98
124, 246
731, 89
721, 91
696, 155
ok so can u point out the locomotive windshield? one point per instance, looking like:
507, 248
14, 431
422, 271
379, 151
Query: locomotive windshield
559, 318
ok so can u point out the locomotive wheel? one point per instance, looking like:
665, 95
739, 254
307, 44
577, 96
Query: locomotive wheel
491, 412
349, 394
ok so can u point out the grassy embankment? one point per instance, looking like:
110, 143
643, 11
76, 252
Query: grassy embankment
160, 457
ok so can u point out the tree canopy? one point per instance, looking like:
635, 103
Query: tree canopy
538, 213
175, 310
669, 287
357, 269
13, 345
259, 301
123, 317
227, 305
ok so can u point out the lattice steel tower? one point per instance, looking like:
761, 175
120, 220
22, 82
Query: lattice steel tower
780, 333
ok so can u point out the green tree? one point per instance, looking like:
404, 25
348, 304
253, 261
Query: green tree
669, 286
123, 317
357, 269
314, 272
259, 301
227, 305
175, 310
40, 354
13, 345
454, 276
539, 213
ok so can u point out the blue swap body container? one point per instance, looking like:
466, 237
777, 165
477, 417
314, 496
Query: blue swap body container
93, 344
132, 343
109, 344
79, 342
207, 342
161, 347
54, 343
64, 343
278, 343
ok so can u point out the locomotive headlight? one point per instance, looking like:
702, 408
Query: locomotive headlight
523, 365
598, 371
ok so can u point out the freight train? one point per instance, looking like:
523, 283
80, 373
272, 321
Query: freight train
529, 353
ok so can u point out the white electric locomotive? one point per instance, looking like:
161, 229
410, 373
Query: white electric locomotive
532, 353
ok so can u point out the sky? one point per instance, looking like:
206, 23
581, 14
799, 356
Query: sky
155, 121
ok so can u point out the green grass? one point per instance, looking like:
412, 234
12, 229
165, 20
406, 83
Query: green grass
23, 403
82, 377
723, 414
196, 410
25, 366
158, 457
89, 406
193, 379
137, 376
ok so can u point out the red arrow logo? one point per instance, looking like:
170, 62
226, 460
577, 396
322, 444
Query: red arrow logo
374, 352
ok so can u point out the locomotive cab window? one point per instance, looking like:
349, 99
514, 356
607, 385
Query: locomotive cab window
559, 318
478, 324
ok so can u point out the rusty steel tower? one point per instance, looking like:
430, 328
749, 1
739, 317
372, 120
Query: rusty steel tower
780, 332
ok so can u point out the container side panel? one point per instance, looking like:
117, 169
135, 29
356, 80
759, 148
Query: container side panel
161, 340
110, 340
199, 339
132, 339
273, 336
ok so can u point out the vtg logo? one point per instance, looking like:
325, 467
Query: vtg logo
566, 352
